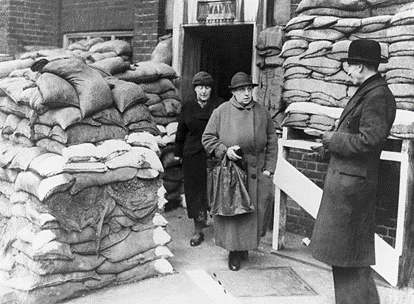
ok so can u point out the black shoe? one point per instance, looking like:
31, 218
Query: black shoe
197, 239
244, 255
234, 261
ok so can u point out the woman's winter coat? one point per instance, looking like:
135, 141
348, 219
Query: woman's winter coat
191, 124
251, 128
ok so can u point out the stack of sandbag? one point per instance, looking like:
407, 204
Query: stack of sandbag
315, 80
269, 46
79, 186
157, 81
81, 220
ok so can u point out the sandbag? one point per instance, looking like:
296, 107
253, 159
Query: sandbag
158, 87
138, 259
323, 22
94, 57
337, 12
403, 18
316, 34
54, 184
294, 47
82, 167
14, 88
94, 92
316, 49
112, 65
51, 251
80, 152
82, 133
348, 5
143, 139
338, 91
120, 47
58, 134
174, 94
8, 175
136, 242
40, 131
78, 264
109, 116
56, 92
164, 120
163, 51
47, 164
137, 113
23, 158
91, 247
374, 23
93, 41
347, 25
401, 48
111, 148
8, 66
137, 157
322, 65
388, 35
10, 124
271, 37
144, 126
63, 117
50, 145
87, 180
146, 270
154, 98
126, 94
299, 22
28, 182
402, 89
75, 237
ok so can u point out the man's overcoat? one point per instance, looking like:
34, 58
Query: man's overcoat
251, 128
344, 229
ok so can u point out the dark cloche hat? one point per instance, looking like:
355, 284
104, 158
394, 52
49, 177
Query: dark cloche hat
364, 50
241, 79
203, 78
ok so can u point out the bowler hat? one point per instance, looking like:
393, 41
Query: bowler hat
364, 51
203, 78
241, 79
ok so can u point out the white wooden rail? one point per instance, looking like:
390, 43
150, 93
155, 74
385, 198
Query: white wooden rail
289, 181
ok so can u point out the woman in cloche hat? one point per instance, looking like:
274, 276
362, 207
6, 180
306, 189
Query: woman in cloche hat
188, 148
243, 124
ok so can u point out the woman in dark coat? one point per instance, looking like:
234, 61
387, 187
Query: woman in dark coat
192, 122
242, 123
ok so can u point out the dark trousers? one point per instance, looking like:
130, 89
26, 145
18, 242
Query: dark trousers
354, 285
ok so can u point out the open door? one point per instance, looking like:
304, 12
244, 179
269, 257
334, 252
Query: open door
221, 51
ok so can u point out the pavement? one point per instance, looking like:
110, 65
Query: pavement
202, 277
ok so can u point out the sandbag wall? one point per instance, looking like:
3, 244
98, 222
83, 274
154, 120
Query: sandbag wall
316, 86
270, 84
80, 180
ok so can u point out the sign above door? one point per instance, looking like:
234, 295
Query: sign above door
216, 11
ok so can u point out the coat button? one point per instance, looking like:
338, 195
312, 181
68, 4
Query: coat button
254, 165
253, 176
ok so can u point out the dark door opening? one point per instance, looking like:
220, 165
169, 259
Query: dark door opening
222, 52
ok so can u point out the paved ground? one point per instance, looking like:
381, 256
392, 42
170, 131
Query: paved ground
194, 281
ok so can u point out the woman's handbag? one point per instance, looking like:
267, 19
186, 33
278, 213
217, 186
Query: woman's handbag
226, 189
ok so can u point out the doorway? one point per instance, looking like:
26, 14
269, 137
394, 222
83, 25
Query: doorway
221, 51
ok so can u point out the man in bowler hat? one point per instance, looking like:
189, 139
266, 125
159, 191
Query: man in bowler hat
343, 235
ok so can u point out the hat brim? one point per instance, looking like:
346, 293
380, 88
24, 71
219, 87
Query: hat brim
356, 59
243, 85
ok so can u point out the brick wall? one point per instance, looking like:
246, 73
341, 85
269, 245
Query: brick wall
300, 222
29, 22
98, 15
148, 26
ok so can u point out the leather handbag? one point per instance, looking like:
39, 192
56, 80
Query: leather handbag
226, 188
